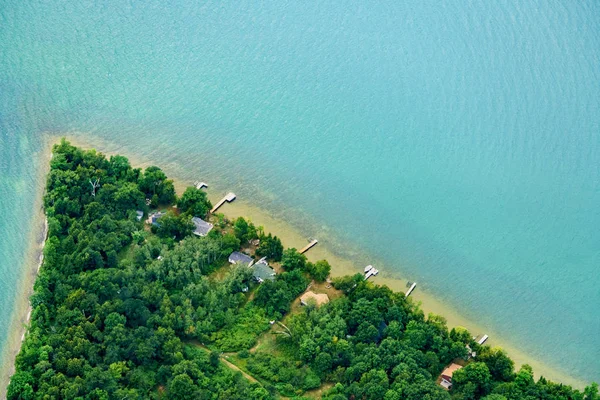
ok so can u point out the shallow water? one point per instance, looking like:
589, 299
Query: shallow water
458, 145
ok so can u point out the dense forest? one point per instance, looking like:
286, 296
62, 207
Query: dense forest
124, 309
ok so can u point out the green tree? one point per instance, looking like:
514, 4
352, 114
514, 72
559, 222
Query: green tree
591, 392
129, 197
319, 270
21, 386
347, 283
182, 388
292, 260
154, 182
171, 225
194, 202
494, 397
500, 365
229, 244
270, 247
475, 378
241, 228
323, 363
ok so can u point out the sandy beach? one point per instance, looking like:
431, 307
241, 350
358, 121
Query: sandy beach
31, 266
290, 235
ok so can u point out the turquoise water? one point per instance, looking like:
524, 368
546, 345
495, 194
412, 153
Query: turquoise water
459, 143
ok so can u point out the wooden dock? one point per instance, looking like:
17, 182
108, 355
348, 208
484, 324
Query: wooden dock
228, 198
483, 339
370, 271
309, 246
200, 185
412, 287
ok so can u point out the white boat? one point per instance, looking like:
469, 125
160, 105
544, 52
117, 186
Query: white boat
368, 268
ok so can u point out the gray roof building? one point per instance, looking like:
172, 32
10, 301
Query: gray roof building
240, 258
262, 272
202, 227
154, 217
139, 214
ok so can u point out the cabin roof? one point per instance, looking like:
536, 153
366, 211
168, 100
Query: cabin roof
240, 258
201, 227
449, 370
261, 271
155, 216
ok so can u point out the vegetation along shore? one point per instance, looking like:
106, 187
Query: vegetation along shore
144, 294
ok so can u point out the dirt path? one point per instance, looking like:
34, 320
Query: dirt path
228, 364
236, 368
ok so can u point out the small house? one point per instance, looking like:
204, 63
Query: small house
240, 258
262, 272
139, 215
320, 298
447, 375
201, 227
154, 217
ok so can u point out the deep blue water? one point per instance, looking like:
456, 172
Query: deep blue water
460, 143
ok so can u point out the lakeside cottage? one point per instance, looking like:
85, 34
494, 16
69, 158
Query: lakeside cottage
261, 272
201, 227
240, 258
319, 298
447, 375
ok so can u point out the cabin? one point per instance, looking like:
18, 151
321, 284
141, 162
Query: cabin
262, 272
154, 217
201, 227
320, 298
139, 214
240, 258
446, 376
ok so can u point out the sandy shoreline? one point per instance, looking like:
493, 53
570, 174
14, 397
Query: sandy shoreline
291, 237
33, 260
429, 303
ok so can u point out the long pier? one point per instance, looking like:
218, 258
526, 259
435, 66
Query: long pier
309, 246
412, 287
228, 198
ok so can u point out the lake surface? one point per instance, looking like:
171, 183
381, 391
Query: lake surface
458, 143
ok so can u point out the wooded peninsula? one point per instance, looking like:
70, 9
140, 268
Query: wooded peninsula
145, 295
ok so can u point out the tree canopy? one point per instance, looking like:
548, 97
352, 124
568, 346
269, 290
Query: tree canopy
119, 312
194, 202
